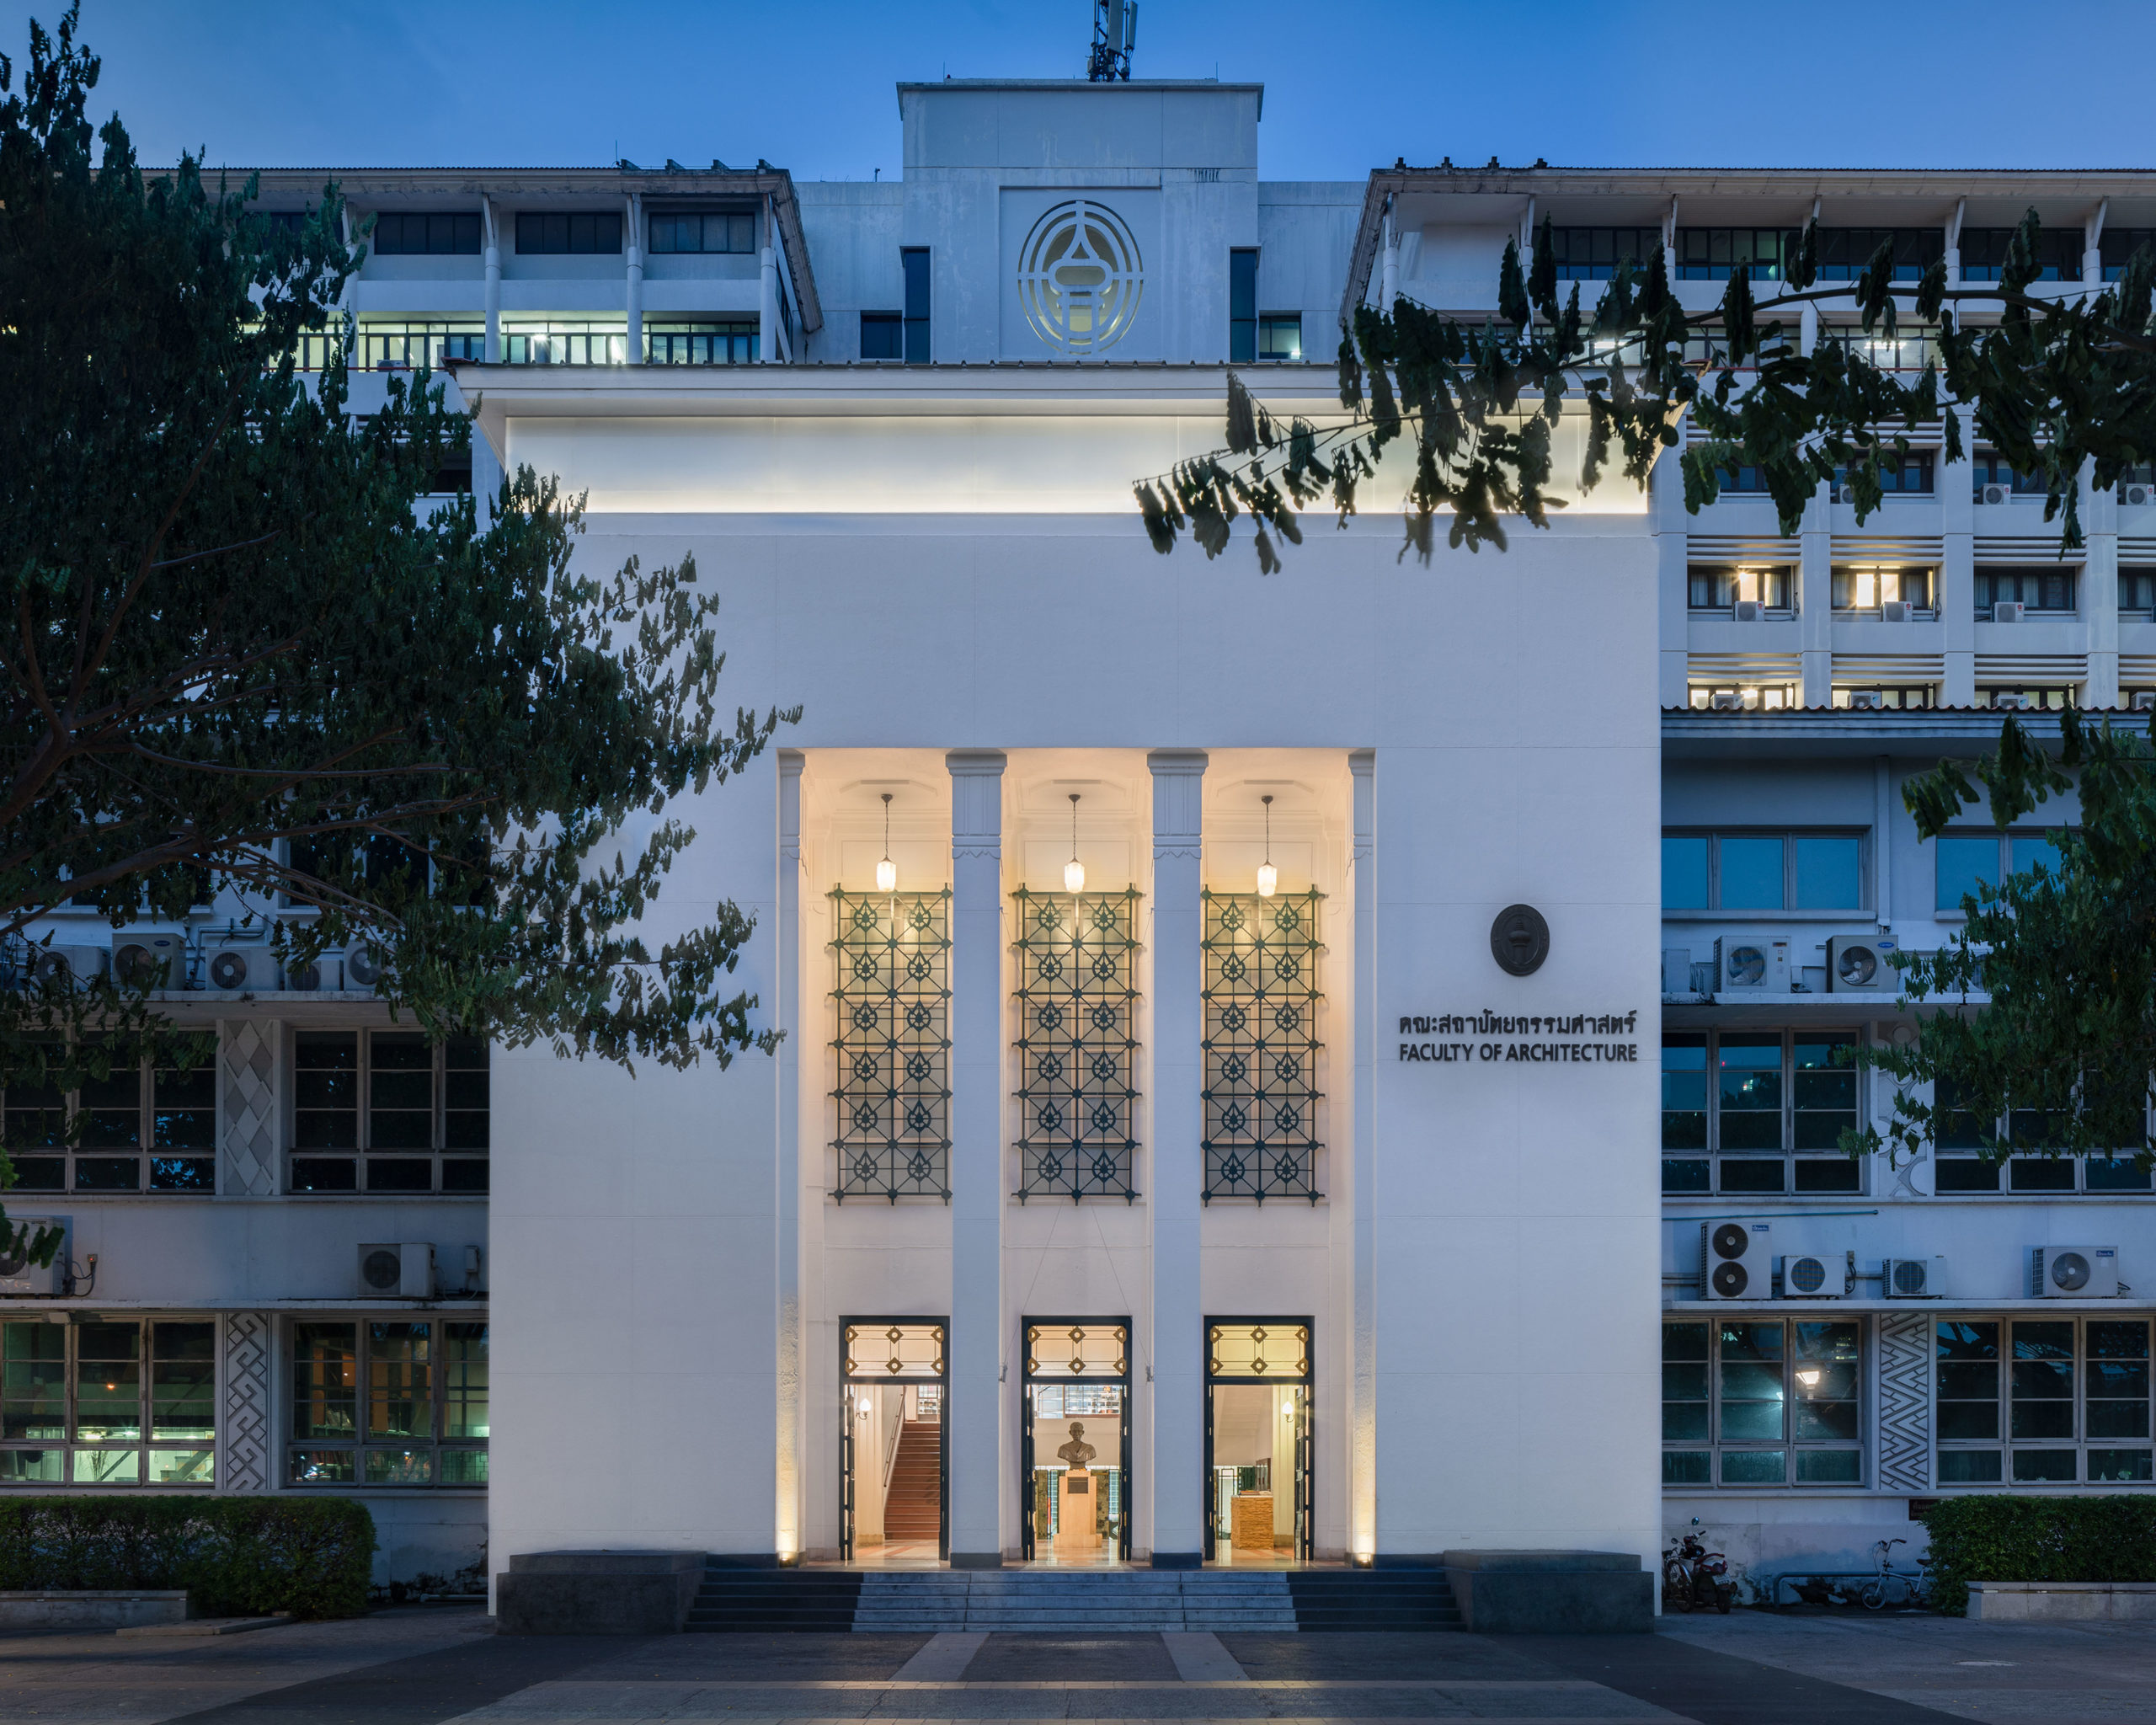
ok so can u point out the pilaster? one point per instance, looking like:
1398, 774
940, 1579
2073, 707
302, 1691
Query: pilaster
1673, 553
2099, 594
1362, 1336
490, 236
246, 1438
792, 1318
250, 1112
1957, 571
1815, 578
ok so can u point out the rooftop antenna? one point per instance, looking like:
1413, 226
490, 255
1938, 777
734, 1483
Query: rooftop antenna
1115, 34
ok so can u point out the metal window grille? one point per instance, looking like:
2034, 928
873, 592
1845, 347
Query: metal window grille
1077, 1044
893, 1000
1261, 1045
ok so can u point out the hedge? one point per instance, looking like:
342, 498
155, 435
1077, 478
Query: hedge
236, 1556
1995, 1537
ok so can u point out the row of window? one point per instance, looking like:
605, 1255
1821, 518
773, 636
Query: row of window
408, 344
1852, 589
1783, 697
1751, 870
1762, 1402
106, 1402
1914, 473
566, 233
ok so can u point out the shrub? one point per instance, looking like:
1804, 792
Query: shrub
1996, 1537
236, 1556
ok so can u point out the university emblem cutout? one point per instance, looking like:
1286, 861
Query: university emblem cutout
1080, 278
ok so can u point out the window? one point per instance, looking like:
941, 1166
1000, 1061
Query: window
1771, 1120
1077, 1001
2043, 1402
1988, 467
2042, 589
1910, 348
401, 346
731, 343
410, 233
581, 233
913, 261
731, 230
2057, 259
2138, 592
883, 335
1910, 698
139, 1130
1261, 1045
108, 1402
411, 1114
566, 344
2119, 244
1910, 477
1866, 590
1761, 1402
1744, 480
892, 997
1712, 254
1242, 307
2025, 698
1969, 859
1961, 1166
1280, 335
1594, 254
1714, 588
1845, 253
1744, 871
1741, 697
391, 1403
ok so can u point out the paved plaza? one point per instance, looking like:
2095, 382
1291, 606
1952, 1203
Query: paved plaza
430, 1667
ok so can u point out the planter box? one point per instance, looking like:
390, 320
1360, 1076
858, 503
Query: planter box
118, 1608
2062, 1601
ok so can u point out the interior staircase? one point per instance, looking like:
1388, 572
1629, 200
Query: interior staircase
912, 1505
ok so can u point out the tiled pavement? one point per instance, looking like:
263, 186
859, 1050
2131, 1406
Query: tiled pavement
419, 1668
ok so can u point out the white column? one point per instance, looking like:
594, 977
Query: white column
1672, 550
791, 1021
1957, 571
767, 298
974, 1423
1177, 1177
1815, 580
633, 254
1389, 278
2099, 593
490, 236
1362, 1388
1882, 842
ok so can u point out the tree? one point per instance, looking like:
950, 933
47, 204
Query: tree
2066, 952
251, 648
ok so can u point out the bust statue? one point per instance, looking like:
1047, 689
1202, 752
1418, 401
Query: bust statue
1077, 1452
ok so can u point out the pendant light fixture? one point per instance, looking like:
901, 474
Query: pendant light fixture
1073, 871
1268, 876
887, 871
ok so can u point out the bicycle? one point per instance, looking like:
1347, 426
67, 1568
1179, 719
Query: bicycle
1891, 1586
1692, 1576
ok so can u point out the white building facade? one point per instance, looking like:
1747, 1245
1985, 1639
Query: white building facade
1222, 1013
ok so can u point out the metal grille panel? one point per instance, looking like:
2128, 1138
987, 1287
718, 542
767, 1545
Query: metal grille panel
1262, 1046
893, 1009
1077, 1044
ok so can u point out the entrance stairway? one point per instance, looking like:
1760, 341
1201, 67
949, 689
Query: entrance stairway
912, 1505
1373, 1599
768, 1600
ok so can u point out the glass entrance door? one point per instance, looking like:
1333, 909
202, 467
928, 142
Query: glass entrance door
1259, 1475
894, 1472
1074, 1441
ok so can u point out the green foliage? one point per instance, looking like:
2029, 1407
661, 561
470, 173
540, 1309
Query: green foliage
2067, 955
2055, 381
2000, 1537
251, 649
236, 1556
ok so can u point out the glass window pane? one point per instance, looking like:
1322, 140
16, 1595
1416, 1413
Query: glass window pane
1685, 1467
1684, 1090
1752, 1467
1751, 874
1829, 874
1829, 1467
1969, 1467
2035, 850
2120, 1467
325, 1382
321, 1467
183, 1467
33, 1381
401, 1103
1966, 862
107, 1467
2043, 1466
400, 1381
1683, 871
464, 1381
108, 1380
183, 1380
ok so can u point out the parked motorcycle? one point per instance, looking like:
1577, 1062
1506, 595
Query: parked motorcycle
1693, 1577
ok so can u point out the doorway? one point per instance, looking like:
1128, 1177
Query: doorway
895, 1467
1258, 1461
1074, 1444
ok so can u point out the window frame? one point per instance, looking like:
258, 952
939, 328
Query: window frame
2046, 1177
2004, 863
915, 269
544, 227
464, 225
1270, 323
1713, 1156
1714, 911
145, 1444
2023, 575
1715, 1445
198, 1179
292, 1446
729, 213
1242, 305
471, 1162
1842, 579
2005, 1444
892, 324
1723, 584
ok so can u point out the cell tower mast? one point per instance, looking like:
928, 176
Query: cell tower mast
1115, 34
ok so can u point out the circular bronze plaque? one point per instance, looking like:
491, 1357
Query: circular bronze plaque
1519, 940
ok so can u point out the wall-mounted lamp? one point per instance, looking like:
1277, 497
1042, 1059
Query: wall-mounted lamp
887, 871
1073, 871
1268, 876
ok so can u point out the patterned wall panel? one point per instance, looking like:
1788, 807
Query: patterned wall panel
245, 1466
248, 1115
1905, 1401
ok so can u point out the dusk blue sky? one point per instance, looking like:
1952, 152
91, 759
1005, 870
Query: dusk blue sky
1348, 85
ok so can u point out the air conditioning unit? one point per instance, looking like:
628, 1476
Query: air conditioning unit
2011, 700
1735, 1260
238, 963
1912, 1278
2006, 610
1865, 701
2144, 700
1751, 963
2073, 1272
1750, 611
2134, 496
1845, 493
157, 958
321, 975
1727, 701
364, 965
17, 1275
1817, 1275
1996, 494
82, 964
1859, 964
1895, 610
406, 1271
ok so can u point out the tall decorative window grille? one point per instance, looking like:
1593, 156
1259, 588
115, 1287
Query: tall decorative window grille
892, 997
1261, 1045
1077, 1044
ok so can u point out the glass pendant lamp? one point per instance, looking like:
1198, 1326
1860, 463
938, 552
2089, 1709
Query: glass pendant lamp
887, 871
1073, 871
1268, 876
